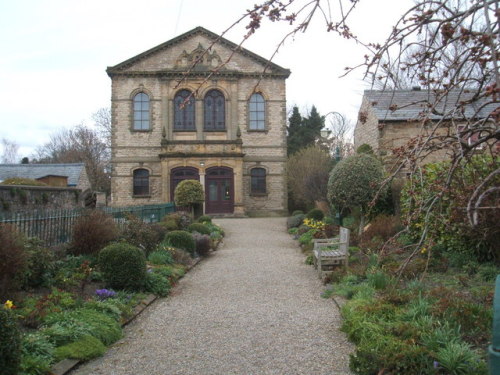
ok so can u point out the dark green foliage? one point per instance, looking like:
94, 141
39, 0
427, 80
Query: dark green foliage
365, 149
13, 260
307, 237
169, 224
181, 239
203, 243
40, 264
204, 219
295, 221
189, 193
141, 234
315, 214
157, 284
198, 227
71, 325
123, 266
37, 354
92, 231
10, 343
181, 220
303, 131
85, 348
160, 257
297, 212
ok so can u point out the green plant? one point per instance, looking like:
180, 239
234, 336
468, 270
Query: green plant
141, 234
161, 257
123, 266
10, 342
204, 219
297, 212
315, 214
85, 348
307, 237
13, 260
92, 232
170, 224
488, 272
295, 221
188, 193
457, 358
157, 284
182, 239
293, 230
364, 149
378, 279
39, 264
37, 354
309, 260
198, 227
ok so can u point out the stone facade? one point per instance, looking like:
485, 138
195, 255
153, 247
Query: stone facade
200, 62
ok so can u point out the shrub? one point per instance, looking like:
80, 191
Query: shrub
203, 243
204, 219
295, 221
160, 257
198, 227
307, 237
188, 193
10, 343
85, 348
158, 284
181, 219
181, 257
169, 224
123, 266
40, 264
458, 358
92, 232
141, 234
297, 212
37, 354
364, 149
382, 226
13, 260
315, 214
182, 239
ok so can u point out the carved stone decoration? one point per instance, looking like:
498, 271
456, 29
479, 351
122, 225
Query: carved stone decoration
200, 56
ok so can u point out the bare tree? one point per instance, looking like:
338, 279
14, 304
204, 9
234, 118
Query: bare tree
338, 138
78, 145
102, 120
9, 152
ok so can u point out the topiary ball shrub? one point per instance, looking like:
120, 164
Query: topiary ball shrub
204, 219
10, 343
295, 221
13, 260
181, 239
123, 266
315, 214
203, 243
189, 193
198, 227
297, 212
92, 231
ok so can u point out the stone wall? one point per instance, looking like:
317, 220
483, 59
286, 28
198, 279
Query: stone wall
29, 198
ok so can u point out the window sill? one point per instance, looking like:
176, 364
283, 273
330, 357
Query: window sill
141, 130
184, 130
142, 196
259, 195
215, 130
257, 131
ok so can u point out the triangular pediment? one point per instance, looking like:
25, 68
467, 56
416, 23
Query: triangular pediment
198, 50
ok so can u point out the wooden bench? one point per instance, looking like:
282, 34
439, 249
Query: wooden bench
330, 253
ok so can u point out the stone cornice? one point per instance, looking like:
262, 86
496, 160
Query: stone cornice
201, 155
166, 142
174, 73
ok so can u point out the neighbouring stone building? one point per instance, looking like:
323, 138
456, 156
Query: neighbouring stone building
200, 107
389, 119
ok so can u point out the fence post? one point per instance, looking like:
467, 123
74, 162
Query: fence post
494, 348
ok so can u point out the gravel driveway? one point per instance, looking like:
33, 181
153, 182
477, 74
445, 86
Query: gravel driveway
253, 307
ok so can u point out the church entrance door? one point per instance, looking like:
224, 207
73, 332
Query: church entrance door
219, 190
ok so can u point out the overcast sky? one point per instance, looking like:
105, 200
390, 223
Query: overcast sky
54, 54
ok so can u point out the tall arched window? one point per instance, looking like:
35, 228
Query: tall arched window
258, 181
215, 111
256, 112
141, 111
184, 111
141, 182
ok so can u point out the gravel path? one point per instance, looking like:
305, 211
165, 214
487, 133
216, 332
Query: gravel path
253, 307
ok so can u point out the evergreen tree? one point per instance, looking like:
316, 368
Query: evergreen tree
303, 131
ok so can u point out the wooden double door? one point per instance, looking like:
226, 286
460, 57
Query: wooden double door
219, 187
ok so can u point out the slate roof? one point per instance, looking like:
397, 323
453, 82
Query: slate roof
403, 105
277, 70
34, 171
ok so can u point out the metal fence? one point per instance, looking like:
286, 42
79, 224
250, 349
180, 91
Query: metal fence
55, 226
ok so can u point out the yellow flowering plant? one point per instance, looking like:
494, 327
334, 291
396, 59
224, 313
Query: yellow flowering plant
315, 224
8, 304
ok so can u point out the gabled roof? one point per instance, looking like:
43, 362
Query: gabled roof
403, 105
277, 70
34, 171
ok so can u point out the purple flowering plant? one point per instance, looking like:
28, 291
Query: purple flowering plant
104, 294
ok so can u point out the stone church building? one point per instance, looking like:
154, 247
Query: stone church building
199, 107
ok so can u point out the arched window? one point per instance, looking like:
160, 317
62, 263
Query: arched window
258, 181
256, 112
141, 111
141, 182
215, 111
184, 111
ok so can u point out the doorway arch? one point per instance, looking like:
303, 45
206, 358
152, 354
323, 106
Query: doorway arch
219, 190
